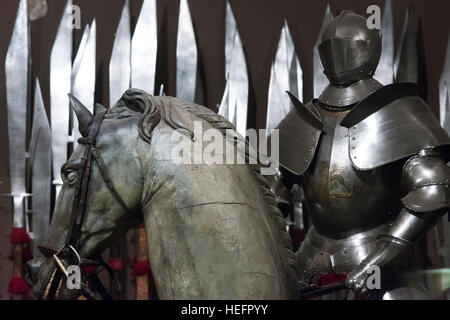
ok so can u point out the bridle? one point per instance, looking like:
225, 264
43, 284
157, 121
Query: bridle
69, 251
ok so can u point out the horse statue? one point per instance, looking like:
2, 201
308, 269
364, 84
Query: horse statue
213, 230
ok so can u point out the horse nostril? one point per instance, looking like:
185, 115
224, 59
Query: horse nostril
31, 271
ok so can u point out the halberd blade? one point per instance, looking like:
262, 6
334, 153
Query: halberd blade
285, 75
120, 63
444, 89
186, 55
17, 67
385, 70
320, 80
235, 103
60, 80
83, 75
406, 61
40, 147
144, 47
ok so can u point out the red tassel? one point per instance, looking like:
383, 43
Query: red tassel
140, 267
115, 264
141, 226
19, 236
330, 278
17, 285
26, 254
89, 269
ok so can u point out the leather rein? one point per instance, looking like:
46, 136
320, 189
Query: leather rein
70, 249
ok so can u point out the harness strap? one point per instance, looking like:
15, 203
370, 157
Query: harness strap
79, 201
108, 181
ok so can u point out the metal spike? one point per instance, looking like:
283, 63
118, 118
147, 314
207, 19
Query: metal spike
60, 80
406, 60
286, 74
444, 89
144, 47
235, 100
320, 80
385, 70
41, 137
83, 75
186, 55
17, 75
120, 63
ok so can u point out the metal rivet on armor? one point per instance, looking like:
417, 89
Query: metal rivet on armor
354, 157
317, 263
353, 138
354, 128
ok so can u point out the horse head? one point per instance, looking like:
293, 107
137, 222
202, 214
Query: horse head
213, 230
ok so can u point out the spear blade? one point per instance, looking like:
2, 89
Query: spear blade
120, 63
444, 101
60, 80
235, 100
406, 60
444, 88
40, 147
17, 65
144, 47
385, 70
83, 75
285, 75
320, 80
186, 59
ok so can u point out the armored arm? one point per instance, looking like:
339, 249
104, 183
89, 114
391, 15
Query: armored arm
426, 178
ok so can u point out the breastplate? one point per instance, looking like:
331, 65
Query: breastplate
341, 200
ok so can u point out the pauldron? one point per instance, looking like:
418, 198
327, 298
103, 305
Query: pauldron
392, 123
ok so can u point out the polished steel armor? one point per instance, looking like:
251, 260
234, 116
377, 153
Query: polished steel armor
372, 161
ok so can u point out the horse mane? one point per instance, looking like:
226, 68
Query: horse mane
154, 109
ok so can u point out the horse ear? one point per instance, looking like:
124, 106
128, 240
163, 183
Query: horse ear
84, 116
99, 107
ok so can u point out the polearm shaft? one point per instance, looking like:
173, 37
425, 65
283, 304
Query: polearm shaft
17, 71
144, 47
143, 65
119, 82
60, 83
83, 77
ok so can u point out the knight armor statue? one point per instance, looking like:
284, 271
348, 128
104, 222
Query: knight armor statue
372, 163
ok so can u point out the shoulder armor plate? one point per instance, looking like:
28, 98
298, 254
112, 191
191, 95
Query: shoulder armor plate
299, 135
399, 129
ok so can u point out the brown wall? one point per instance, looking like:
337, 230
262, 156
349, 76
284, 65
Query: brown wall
259, 23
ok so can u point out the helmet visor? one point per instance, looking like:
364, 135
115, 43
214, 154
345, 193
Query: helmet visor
343, 55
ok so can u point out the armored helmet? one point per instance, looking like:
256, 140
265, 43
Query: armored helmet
349, 51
